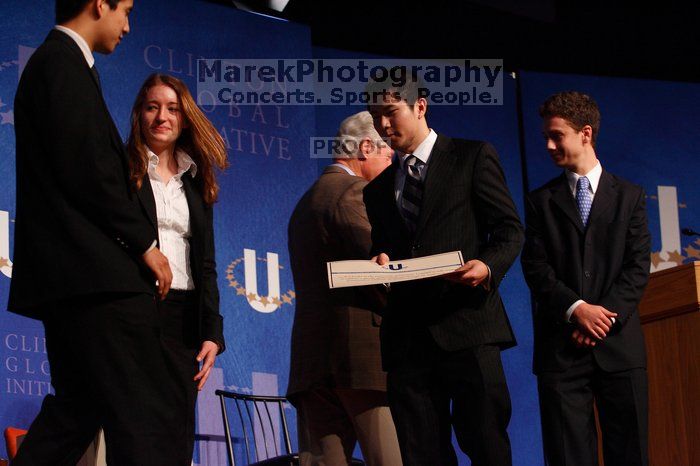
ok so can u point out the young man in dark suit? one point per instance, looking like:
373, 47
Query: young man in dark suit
85, 257
442, 338
586, 260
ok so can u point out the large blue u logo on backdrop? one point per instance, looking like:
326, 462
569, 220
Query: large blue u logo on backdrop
249, 288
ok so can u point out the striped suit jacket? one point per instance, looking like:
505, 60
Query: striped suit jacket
466, 206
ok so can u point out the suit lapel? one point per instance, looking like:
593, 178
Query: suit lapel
68, 41
562, 198
75, 49
196, 208
148, 200
440, 165
605, 196
61, 36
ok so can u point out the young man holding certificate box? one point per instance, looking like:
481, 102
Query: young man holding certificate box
441, 338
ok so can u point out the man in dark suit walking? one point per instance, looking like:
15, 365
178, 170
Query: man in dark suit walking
336, 381
85, 255
441, 338
586, 260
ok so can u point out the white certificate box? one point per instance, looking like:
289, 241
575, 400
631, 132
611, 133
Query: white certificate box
365, 272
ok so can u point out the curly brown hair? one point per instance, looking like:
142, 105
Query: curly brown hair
576, 108
199, 139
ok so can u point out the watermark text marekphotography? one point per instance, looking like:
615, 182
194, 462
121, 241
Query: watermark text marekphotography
346, 82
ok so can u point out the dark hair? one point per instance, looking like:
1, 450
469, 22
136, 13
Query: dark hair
69, 9
400, 83
576, 108
199, 138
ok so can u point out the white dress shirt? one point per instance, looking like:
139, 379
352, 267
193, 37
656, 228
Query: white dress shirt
593, 181
173, 213
344, 167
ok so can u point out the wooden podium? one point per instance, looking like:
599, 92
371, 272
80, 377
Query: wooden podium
670, 315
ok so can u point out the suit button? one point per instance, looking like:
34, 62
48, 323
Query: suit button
416, 247
587, 274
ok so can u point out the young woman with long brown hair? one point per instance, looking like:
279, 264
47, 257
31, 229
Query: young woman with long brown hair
174, 151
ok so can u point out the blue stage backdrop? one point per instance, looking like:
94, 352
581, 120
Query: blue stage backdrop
648, 135
270, 169
498, 125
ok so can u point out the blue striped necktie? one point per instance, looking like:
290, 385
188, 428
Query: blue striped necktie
583, 199
412, 193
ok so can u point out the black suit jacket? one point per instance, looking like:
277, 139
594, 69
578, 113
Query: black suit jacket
606, 263
467, 207
79, 230
202, 255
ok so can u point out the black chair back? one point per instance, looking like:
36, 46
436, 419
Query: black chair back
260, 421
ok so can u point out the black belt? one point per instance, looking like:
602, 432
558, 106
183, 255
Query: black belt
180, 296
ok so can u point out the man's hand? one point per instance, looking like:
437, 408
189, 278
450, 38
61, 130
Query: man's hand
593, 321
472, 273
158, 263
381, 259
207, 356
581, 340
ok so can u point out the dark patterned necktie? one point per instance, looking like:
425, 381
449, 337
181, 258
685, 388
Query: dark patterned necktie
412, 193
583, 198
96, 75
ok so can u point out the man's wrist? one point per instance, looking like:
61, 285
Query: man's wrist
572, 308
151, 248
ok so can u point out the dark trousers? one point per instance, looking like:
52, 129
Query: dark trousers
568, 423
178, 315
109, 369
433, 390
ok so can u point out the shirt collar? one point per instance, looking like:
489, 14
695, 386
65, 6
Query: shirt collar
593, 178
423, 150
184, 163
344, 167
84, 47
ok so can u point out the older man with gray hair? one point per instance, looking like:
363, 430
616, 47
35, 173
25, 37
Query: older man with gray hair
336, 381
